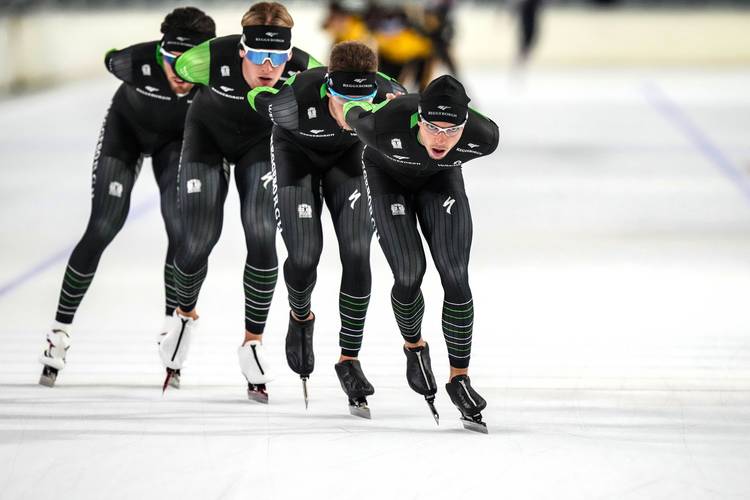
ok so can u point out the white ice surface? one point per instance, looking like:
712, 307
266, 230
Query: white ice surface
610, 272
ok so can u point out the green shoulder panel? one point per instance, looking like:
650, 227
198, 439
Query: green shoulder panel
159, 58
357, 104
290, 80
195, 65
377, 107
477, 112
313, 63
258, 90
385, 76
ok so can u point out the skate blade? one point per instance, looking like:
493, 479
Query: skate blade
258, 397
360, 411
304, 391
47, 380
434, 412
171, 380
471, 425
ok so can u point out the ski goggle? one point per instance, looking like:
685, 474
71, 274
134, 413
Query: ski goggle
168, 57
433, 129
352, 98
276, 58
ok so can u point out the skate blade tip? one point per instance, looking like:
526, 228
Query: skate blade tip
361, 413
47, 382
258, 399
475, 427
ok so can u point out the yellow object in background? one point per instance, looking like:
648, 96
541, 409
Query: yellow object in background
403, 46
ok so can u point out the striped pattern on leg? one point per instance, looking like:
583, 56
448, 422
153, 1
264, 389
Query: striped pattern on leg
409, 317
353, 311
170, 291
188, 286
299, 300
458, 324
259, 285
74, 287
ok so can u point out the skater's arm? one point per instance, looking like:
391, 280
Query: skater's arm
360, 116
485, 133
194, 66
388, 85
278, 105
120, 63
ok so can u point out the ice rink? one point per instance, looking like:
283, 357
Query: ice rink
610, 271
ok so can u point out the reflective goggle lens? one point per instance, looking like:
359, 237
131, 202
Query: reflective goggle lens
259, 57
351, 98
168, 57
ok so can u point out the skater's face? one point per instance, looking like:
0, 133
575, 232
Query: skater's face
263, 69
439, 138
179, 86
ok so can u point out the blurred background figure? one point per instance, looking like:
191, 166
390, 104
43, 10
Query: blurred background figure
410, 40
528, 21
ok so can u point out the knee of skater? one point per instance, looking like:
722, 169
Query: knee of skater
303, 262
408, 283
456, 283
101, 231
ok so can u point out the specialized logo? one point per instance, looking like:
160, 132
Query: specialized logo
311, 113
182, 38
360, 80
398, 209
448, 204
354, 197
443, 108
271, 33
146, 70
226, 89
399, 157
115, 189
224, 70
316, 131
472, 145
193, 186
266, 180
152, 89
396, 143
304, 211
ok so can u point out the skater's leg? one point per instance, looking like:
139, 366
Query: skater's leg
166, 162
254, 178
346, 198
201, 191
402, 246
445, 218
398, 236
116, 166
297, 209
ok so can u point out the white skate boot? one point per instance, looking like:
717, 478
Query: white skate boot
169, 324
255, 369
174, 347
53, 358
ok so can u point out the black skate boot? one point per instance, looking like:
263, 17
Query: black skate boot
420, 377
468, 402
356, 386
299, 350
